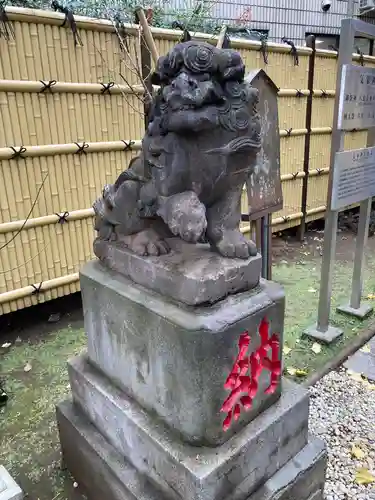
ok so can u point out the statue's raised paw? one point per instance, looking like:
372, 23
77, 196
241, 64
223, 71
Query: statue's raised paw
234, 244
185, 216
146, 242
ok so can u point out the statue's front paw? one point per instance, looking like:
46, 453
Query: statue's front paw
185, 216
189, 228
234, 244
146, 242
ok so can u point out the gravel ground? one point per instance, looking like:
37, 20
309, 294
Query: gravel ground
342, 413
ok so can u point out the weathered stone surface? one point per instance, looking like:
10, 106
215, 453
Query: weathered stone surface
363, 362
174, 359
9, 489
103, 472
190, 273
199, 149
253, 455
98, 468
302, 477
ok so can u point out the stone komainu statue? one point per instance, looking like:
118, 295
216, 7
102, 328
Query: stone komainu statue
200, 146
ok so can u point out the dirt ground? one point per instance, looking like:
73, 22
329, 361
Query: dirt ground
29, 445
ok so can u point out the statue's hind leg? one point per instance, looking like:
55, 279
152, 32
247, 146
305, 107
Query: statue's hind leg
118, 218
223, 233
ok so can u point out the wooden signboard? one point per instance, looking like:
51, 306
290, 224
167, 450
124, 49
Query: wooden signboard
264, 185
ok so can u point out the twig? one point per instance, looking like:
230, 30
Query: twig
29, 260
28, 215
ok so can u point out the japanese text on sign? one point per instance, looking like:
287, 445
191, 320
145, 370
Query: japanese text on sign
357, 98
353, 177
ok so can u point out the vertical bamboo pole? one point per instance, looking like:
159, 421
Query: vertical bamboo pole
147, 34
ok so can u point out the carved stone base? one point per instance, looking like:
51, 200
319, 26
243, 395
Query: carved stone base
234, 469
9, 489
190, 273
174, 359
103, 472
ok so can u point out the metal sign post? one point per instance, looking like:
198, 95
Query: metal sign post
354, 109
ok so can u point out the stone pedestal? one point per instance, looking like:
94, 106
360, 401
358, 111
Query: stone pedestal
9, 489
186, 402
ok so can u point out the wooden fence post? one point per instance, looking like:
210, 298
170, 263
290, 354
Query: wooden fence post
310, 42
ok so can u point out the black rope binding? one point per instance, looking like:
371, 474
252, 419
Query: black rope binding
299, 93
18, 153
128, 145
81, 148
264, 50
288, 132
186, 37
295, 175
361, 58
62, 218
37, 289
107, 87
319, 171
226, 42
47, 85
324, 93
69, 19
285, 218
293, 50
6, 27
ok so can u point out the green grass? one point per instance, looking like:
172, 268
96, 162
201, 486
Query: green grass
301, 284
29, 445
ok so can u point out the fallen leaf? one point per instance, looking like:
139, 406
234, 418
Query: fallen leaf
356, 376
364, 476
371, 296
365, 348
6, 345
316, 347
291, 371
75, 485
357, 452
301, 373
27, 367
286, 350
298, 341
311, 290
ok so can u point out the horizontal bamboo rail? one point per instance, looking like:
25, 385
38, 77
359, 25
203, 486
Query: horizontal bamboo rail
87, 23
316, 210
9, 227
16, 152
66, 149
303, 131
56, 19
53, 86
66, 87
287, 218
26, 291
301, 175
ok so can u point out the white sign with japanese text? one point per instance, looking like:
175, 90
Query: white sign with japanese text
353, 177
357, 98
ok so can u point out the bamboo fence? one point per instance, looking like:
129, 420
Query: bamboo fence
69, 124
